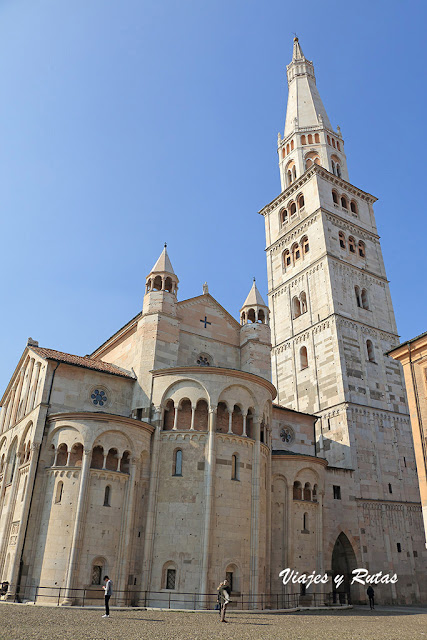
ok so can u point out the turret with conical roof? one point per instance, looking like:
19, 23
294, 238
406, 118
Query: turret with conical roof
308, 137
255, 340
161, 286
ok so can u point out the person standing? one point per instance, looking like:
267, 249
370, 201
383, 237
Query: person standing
224, 598
108, 592
370, 592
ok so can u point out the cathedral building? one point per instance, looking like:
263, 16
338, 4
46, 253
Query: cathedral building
190, 446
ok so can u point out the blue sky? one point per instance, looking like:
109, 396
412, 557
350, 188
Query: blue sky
130, 123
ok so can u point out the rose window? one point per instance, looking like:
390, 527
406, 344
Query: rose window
287, 435
99, 397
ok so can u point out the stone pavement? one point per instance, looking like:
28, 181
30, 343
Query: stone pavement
29, 622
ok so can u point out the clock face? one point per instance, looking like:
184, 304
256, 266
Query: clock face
287, 435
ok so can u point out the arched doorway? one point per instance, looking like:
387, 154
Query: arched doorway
343, 563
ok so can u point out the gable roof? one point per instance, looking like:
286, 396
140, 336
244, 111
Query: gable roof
214, 303
82, 361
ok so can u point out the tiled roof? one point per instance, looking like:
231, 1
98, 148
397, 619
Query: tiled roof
286, 452
80, 361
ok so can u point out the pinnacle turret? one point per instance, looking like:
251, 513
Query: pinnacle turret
162, 277
254, 308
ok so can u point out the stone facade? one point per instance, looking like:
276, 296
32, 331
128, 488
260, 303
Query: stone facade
168, 459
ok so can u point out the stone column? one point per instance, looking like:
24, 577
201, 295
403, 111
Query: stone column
209, 503
125, 543
230, 422
150, 524
28, 387
15, 560
175, 418
268, 532
244, 425
78, 527
319, 539
8, 514
16, 399
254, 564
193, 415
25, 387
33, 388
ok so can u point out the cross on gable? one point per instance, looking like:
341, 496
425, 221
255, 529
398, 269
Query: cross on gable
205, 321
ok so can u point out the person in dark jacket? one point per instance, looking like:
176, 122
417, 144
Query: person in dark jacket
108, 592
370, 592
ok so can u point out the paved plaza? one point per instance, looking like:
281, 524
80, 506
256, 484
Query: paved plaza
29, 622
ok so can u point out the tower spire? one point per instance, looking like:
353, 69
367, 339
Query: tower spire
308, 137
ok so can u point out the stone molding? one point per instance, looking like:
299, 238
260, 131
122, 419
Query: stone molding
341, 223
101, 417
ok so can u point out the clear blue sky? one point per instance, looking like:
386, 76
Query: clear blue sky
125, 124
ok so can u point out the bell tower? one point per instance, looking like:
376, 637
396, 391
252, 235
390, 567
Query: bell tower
331, 313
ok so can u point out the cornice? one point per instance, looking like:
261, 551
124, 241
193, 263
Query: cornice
299, 457
217, 371
100, 417
323, 173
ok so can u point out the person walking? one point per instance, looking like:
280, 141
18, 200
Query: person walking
108, 592
224, 598
370, 592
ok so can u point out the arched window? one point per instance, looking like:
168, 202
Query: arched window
292, 145
169, 416
315, 493
301, 201
61, 458
335, 197
261, 316
352, 244
97, 571
333, 142
170, 577
344, 202
286, 258
283, 216
357, 292
307, 491
76, 455
303, 299
293, 208
305, 522
168, 284
303, 140
316, 138
287, 149
310, 139
112, 460
294, 172
177, 466
305, 245
338, 169
297, 491
342, 239
107, 496
58, 493
370, 350
289, 176
125, 462
311, 158
251, 316
328, 139
157, 284
303, 358
97, 461
234, 467
296, 252
283, 152
361, 249
365, 304
201, 416
353, 207
333, 166
338, 146
291, 172
296, 307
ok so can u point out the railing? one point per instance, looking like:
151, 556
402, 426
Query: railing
93, 596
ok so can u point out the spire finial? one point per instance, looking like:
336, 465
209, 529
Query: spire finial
254, 279
165, 245
205, 289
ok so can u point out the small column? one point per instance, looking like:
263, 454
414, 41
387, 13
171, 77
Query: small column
9, 408
244, 425
26, 387
78, 526
230, 422
34, 370
104, 464
32, 396
163, 283
175, 419
16, 399
3, 416
67, 464
209, 503
193, 416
